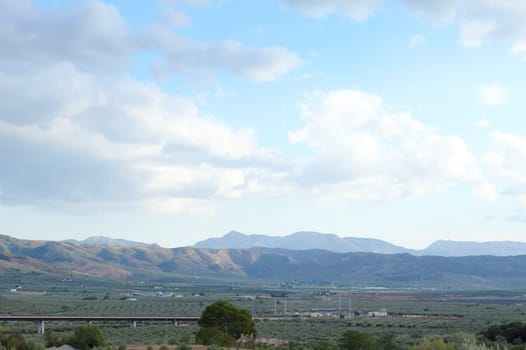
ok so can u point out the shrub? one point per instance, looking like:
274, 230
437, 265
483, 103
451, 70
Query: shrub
434, 344
184, 346
51, 339
17, 341
356, 340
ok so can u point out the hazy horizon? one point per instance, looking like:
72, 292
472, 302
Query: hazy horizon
175, 121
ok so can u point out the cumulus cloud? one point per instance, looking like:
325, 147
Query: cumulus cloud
506, 160
357, 9
364, 151
118, 140
75, 129
493, 94
92, 35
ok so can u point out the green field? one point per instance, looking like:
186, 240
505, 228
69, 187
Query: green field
300, 314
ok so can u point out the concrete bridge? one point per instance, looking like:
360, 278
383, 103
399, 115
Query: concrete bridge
132, 320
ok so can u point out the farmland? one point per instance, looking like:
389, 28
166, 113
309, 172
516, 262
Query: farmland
298, 314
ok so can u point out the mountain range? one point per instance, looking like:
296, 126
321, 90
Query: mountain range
314, 266
314, 240
103, 240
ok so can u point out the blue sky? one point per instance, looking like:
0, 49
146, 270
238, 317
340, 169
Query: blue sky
173, 121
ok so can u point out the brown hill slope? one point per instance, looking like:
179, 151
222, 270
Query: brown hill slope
395, 270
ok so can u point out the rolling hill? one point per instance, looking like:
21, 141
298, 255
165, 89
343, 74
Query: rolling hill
270, 264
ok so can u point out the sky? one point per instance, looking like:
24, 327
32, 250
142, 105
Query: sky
171, 121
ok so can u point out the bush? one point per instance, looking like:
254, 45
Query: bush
434, 344
184, 346
357, 340
351, 340
17, 341
51, 339
513, 333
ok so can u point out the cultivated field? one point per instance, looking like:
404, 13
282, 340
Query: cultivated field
298, 314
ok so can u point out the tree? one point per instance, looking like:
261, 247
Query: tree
222, 322
86, 337
352, 340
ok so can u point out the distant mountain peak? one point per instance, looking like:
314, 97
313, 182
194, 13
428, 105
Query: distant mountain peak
304, 240
301, 240
104, 240
233, 234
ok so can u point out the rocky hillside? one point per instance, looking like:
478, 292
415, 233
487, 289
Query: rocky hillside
360, 269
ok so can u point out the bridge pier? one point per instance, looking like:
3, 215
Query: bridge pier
41, 327
133, 324
174, 322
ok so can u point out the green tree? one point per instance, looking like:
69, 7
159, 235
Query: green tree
223, 322
354, 340
86, 337
51, 339
17, 341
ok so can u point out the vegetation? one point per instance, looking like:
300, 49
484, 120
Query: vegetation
307, 316
222, 323
86, 337
17, 341
512, 333
351, 340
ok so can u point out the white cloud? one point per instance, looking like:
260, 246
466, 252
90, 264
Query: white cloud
87, 134
94, 37
506, 160
483, 123
416, 40
486, 191
91, 140
493, 94
364, 151
200, 60
439, 12
479, 21
356, 9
